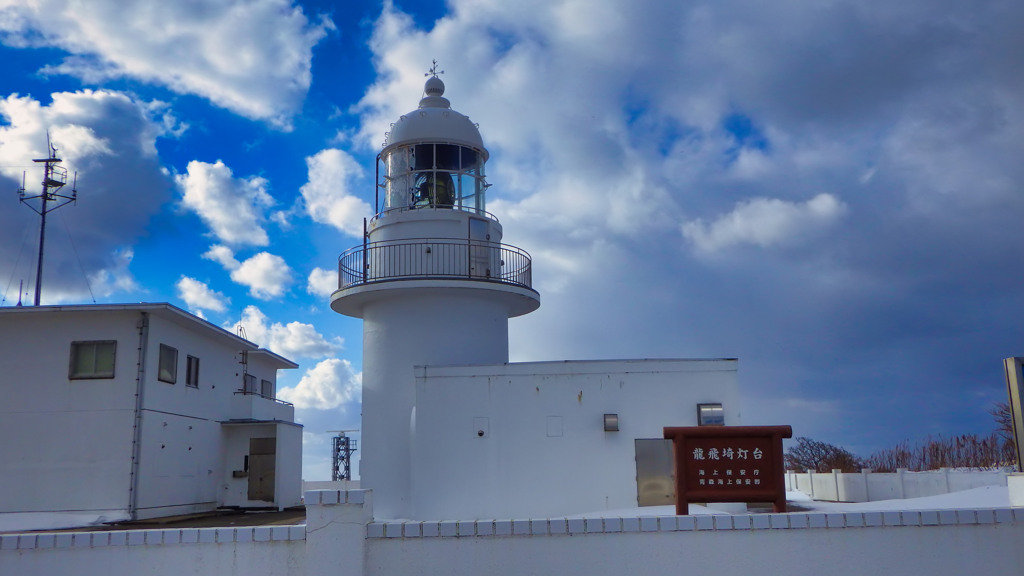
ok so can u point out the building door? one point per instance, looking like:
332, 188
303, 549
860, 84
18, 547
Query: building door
655, 472
262, 462
479, 248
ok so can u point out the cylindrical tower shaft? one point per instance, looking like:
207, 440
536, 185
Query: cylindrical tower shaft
432, 283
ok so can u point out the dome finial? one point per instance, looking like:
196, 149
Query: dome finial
433, 90
433, 69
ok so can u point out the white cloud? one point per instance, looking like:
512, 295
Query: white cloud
198, 296
222, 255
267, 275
292, 340
763, 222
327, 194
326, 386
250, 57
115, 278
322, 282
233, 208
109, 139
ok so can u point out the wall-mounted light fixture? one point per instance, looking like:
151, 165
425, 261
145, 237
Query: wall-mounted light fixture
710, 415
611, 422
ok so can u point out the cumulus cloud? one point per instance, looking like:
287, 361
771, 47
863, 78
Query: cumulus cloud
115, 278
198, 296
292, 340
252, 57
322, 282
222, 255
328, 194
233, 208
109, 139
763, 222
603, 143
328, 385
267, 275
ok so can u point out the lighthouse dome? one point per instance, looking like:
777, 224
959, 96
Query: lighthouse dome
434, 121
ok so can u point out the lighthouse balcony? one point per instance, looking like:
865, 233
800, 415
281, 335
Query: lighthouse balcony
426, 258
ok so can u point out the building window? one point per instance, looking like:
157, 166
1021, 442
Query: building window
249, 384
192, 371
168, 371
93, 359
267, 389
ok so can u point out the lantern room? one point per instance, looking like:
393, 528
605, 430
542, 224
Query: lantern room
433, 157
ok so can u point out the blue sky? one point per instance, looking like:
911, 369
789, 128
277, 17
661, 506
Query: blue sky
828, 191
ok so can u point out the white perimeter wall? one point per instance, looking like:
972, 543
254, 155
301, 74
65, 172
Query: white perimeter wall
544, 451
722, 546
262, 551
341, 540
867, 486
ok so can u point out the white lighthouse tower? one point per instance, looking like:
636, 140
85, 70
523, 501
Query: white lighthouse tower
432, 282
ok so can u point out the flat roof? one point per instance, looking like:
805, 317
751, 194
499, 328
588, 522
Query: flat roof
163, 309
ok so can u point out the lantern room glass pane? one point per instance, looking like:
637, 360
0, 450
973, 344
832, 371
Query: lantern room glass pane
434, 175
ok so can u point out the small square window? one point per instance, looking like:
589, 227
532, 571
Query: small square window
249, 384
168, 370
93, 359
192, 371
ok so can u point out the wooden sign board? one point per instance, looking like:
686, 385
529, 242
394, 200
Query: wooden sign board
729, 464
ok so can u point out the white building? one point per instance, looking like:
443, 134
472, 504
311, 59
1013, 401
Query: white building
450, 428
138, 411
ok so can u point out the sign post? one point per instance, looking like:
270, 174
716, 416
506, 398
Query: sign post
729, 464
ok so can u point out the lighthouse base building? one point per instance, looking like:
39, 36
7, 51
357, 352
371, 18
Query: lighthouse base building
450, 428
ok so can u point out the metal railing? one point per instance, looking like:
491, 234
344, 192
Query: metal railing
420, 258
245, 392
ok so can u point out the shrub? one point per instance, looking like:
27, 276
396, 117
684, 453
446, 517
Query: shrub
810, 454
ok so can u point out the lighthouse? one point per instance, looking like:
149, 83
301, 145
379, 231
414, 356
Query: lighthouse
432, 282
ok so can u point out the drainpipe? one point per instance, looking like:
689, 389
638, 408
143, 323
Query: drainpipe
140, 380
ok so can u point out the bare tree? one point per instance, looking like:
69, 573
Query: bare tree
819, 456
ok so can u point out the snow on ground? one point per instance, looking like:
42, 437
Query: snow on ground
984, 497
25, 521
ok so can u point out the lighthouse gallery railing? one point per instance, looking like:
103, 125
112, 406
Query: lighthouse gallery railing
426, 258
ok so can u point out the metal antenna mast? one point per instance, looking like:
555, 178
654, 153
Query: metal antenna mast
342, 449
54, 178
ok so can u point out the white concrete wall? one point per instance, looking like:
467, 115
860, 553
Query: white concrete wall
342, 539
936, 543
66, 444
288, 483
866, 486
544, 450
310, 485
278, 550
181, 464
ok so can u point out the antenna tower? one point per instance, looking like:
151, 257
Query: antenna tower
55, 177
343, 447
